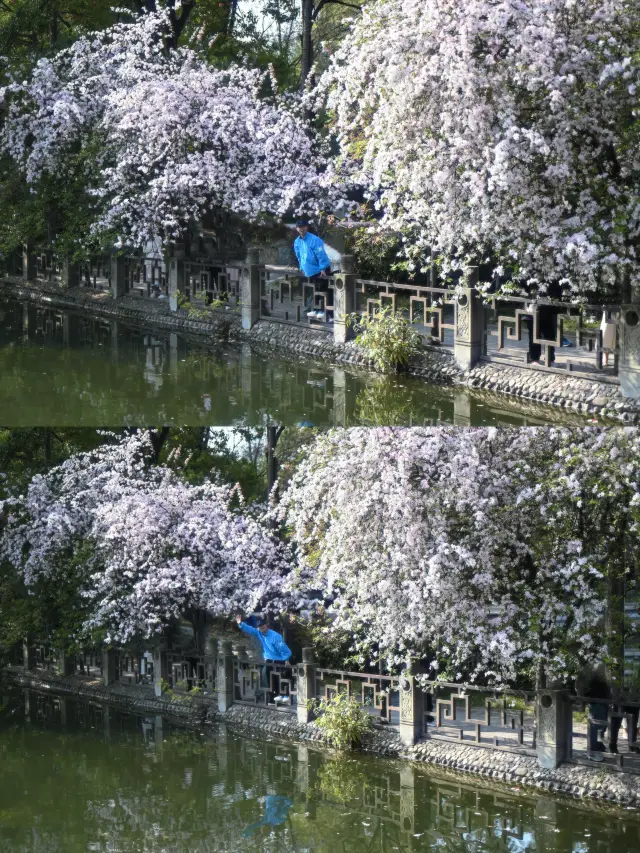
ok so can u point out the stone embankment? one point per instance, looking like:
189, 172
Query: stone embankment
596, 783
591, 398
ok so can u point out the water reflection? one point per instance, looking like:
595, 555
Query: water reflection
61, 368
81, 777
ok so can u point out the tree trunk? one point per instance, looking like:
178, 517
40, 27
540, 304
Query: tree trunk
307, 41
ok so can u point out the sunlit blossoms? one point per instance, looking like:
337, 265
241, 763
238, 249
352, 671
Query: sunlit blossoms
503, 130
168, 136
485, 552
153, 545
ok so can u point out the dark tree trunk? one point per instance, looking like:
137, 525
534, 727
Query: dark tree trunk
307, 41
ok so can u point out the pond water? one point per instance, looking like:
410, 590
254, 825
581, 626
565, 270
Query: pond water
77, 776
61, 368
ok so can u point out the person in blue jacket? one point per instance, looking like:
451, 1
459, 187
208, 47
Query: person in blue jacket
313, 261
273, 644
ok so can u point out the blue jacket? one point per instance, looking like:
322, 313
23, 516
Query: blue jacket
273, 646
311, 254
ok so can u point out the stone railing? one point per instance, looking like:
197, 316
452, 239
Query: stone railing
597, 342
552, 724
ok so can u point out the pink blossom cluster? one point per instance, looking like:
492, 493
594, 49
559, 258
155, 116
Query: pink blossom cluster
172, 136
153, 545
483, 551
497, 130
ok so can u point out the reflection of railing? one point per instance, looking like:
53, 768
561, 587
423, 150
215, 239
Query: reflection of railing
267, 685
377, 694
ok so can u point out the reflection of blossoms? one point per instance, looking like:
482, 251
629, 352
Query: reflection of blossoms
484, 549
497, 128
175, 137
160, 545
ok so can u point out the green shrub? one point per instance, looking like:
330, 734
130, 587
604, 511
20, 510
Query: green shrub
342, 719
386, 338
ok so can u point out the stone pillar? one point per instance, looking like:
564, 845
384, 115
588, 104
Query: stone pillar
306, 685
29, 262
411, 705
28, 654
118, 276
469, 323
30, 705
344, 296
250, 291
109, 661
629, 343
69, 273
224, 680
175, 281
553, 727
160, 669
66, 663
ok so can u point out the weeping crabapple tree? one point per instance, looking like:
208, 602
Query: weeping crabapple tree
162, 136
153, 546
490, 554
497, 131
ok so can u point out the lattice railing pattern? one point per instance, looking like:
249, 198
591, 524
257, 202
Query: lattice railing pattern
377, 694
263, 684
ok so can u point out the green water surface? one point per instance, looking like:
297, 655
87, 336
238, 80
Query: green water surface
61, 368
77, 776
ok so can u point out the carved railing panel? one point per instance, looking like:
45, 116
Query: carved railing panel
266, 685
501, 720
597, 725
431, 310
207, 281
581, 339
286, 296
379, 695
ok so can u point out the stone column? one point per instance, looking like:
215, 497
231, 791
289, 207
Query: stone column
411, 705
29, 262
250, 290
175, 281
469, 323
224, 680
344, 296
69, 273
109, 661
118, 276
306, 685
28, 654
66, 663
553, 729
160, 669
629, 344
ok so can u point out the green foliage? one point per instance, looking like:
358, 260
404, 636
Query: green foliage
386, 337
375, 254
341, 780
342, 720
